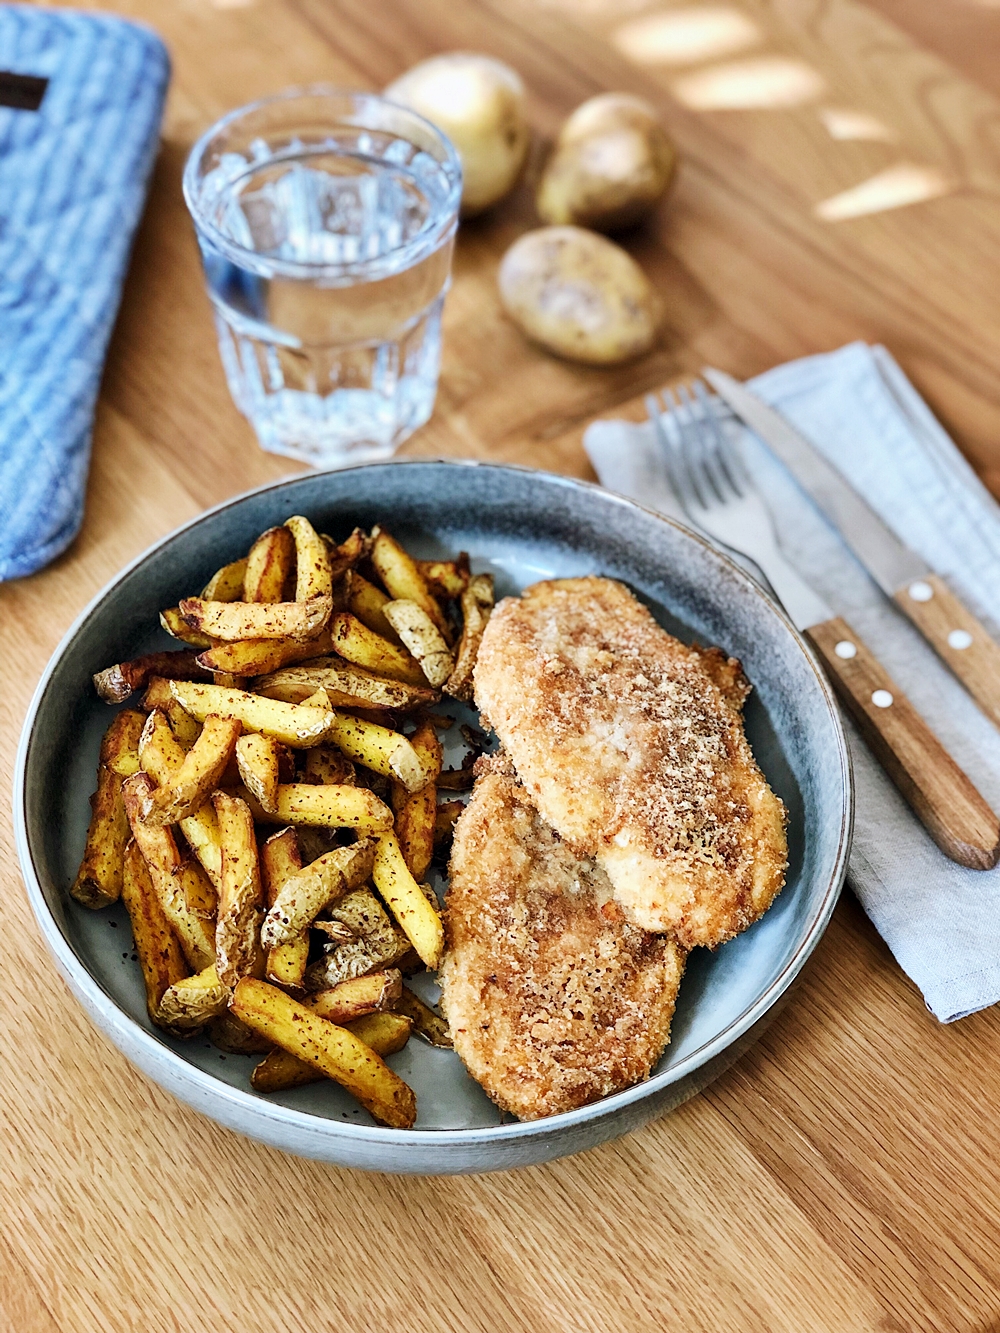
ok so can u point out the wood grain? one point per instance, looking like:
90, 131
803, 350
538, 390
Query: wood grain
843, 1175
939, 792
957, 636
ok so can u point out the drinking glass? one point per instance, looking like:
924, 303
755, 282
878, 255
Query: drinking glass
326, 221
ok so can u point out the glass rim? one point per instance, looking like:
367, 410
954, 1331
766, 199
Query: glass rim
360, 270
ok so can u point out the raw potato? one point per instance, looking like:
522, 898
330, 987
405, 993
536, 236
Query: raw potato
579, 295
612, 164
479, 103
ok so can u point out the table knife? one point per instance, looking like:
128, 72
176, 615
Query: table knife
962, 643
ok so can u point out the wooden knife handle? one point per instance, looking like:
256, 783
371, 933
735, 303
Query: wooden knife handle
957, 637
940, 794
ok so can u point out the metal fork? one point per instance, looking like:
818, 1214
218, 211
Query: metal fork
718, 495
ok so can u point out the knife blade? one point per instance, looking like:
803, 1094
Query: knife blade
951, 629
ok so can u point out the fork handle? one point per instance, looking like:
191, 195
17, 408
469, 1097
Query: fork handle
941, 796
956, 636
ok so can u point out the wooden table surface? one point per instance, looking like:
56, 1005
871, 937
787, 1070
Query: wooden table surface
844, 1175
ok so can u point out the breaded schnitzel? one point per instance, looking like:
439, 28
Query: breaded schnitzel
631, 745
553, 999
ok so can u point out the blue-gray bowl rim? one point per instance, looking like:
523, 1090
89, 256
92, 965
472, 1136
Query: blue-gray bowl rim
213, 1088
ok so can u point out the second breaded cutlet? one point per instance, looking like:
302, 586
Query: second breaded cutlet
631, 745
554, 1000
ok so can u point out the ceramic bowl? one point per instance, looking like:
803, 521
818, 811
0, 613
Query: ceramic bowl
524, 526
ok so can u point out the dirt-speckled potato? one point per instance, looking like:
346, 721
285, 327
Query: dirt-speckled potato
479, 103
611, 165
579, 295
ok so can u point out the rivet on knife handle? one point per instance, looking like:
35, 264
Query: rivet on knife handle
957, 636
940, 794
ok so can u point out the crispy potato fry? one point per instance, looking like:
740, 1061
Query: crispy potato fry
159, 950
256, 657
158, 847
377, 944
384, 751
226, 584
459, 779
196, 889
190, 785
241, 900
229, 1033
161, 755
175, 624
307, 892
269, 566
289, 723
477, 604
345, 686
366, 602
385, 1033
331, 807
188, 1004
313, 574
416, 812
427, 1022
259, 761
333, 1050
186, 728
115, 683
403, 580
359, 996
328, 767
234, 621
445, 818
420, 921
280, 858
356, 643
423, 639
447, 578
120, 746
99, 880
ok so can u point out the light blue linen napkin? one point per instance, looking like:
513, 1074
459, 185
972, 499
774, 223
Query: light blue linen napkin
941, 921
73, 178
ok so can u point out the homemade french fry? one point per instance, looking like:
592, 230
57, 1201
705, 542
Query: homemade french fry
444, 821
449, 578
255, 657
230, 1033
259, 763
402, 577
175, 624
159, 950
161, 755
332, 807
345, 686
190, 785
233, 621
328, 766
367, 602
280, 858
237, 931
426, 1022
377, 944
226, 584
289, 723
115, 683
269, 566
403, 895
308, 891
333, 1050
385, 1033
120, 745
189, 1003
384, 751
99, 880
477, 604
416, 812
356, 643
158, 847
196, 889
313, 575
359, 996
423, 639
